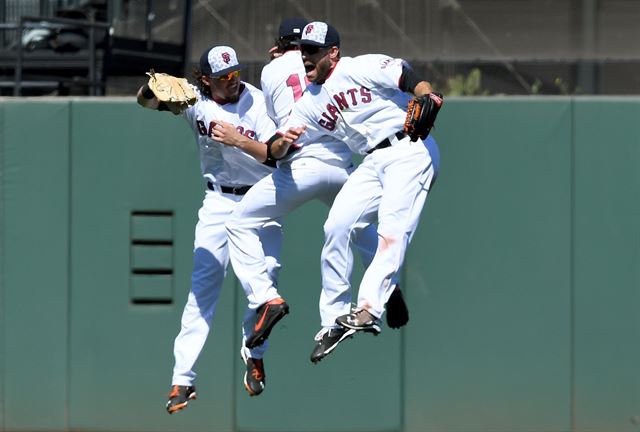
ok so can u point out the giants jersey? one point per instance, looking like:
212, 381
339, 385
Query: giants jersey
359, 103
225, 165
283, 82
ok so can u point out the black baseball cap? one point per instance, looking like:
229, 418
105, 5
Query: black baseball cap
219, 61
320, 34
291, 27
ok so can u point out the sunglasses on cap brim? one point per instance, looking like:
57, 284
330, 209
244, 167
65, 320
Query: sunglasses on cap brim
311, 49
229, 76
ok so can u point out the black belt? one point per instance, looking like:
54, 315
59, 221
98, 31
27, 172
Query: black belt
235, 190
386, 143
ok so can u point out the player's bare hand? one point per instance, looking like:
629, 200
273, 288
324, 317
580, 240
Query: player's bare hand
226, 133
293, 134
275, 52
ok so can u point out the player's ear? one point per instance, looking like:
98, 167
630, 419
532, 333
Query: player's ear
334, 53
205, 80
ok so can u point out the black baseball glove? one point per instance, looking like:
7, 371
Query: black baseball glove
397, 311
421, 115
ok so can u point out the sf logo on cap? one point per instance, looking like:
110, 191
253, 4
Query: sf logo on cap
226, 57
309, 29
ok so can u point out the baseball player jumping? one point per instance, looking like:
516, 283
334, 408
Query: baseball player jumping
229, 172
316, 170
363, 102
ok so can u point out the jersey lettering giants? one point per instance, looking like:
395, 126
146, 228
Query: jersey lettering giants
344, 100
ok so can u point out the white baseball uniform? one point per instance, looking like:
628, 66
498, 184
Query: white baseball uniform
361, 104
317, 170
224, 168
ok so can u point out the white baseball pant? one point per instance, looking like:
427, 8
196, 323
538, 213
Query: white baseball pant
211, 258
391, 186
291, 185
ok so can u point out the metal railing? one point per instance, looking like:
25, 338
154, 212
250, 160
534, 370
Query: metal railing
31, 22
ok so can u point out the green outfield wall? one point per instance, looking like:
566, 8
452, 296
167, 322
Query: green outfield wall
522, 280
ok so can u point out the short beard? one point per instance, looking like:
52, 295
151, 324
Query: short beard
323, 69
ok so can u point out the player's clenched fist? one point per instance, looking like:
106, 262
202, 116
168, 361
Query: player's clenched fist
230, 135
226, 133
280, 146
293, 134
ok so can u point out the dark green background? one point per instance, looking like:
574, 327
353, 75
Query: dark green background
522, 281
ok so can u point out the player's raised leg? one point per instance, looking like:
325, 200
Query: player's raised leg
407, 176
254, 379
210, 260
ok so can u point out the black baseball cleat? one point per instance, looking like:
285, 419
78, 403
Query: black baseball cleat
327, 339
254, 377
180, 397
360, 320
397, 311
268, 315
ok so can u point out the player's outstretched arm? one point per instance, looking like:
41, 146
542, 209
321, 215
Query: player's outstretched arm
147, 98
411, 82
227, 134
164, 92
280, 145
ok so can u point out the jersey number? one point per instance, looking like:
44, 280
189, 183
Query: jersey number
294, 82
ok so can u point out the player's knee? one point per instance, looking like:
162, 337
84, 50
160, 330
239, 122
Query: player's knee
232, 224
208, 270
385, 242
334, 227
